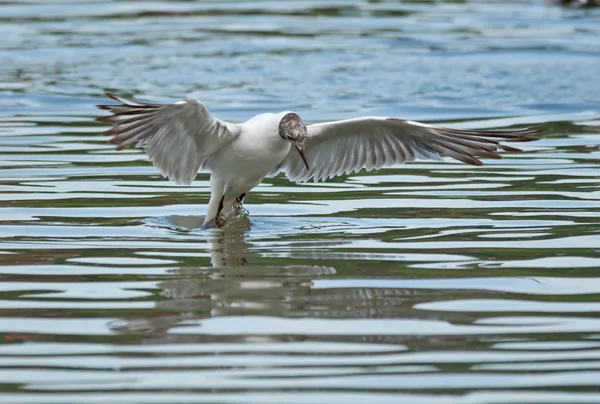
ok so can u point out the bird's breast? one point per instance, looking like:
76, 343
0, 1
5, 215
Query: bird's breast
252, 156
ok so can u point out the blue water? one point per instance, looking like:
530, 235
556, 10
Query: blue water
432, 283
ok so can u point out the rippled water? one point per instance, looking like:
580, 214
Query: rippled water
427, 283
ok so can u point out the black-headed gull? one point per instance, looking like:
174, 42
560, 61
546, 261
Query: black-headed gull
184, 137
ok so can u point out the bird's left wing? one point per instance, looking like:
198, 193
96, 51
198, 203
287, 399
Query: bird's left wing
347, 146
178, 137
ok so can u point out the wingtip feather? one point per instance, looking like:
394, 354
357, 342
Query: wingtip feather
114, 97
105, 119
510, 149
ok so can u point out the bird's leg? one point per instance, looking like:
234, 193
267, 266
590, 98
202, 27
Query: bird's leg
214, 222
216, 203
238, 205
219, 209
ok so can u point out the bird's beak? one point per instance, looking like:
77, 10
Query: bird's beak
300, 147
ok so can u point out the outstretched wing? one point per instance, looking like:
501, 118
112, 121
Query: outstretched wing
177, 137
347, 146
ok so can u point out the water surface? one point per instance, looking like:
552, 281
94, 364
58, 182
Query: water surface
433, 282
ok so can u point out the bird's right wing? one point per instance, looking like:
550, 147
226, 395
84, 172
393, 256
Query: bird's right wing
177, 137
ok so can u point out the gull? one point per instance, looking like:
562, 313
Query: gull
184, 138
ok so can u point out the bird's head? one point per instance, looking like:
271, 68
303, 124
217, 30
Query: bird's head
292, 129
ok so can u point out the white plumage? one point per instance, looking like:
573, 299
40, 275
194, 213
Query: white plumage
184, 137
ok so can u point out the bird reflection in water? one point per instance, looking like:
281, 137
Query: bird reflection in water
229, 247
239, 282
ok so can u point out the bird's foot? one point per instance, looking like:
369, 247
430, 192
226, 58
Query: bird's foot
238, 209
209, 225
213, 224
237, 212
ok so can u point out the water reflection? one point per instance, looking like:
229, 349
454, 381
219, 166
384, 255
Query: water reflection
232, 285
228, 245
